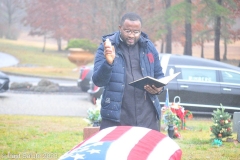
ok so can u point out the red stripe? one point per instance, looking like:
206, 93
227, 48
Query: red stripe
145, 146
116, 133
177, 155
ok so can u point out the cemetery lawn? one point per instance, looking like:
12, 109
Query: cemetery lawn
53, 136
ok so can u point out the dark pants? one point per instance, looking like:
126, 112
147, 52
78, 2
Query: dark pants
107, 123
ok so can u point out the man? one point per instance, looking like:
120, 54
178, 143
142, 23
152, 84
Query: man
131, 56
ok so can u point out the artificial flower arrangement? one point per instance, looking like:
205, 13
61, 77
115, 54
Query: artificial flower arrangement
181, 113
170, 119
93, 114
176, 115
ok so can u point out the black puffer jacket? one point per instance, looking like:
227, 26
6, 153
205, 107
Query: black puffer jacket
112, 77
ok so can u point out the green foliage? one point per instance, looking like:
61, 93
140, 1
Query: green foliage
94, 115
222, 124
82, 43
213, 9
169, 118
178, 12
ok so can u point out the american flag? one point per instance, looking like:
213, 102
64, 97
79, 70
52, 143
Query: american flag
126, 143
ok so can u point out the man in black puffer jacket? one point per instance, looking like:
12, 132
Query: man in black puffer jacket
130, 56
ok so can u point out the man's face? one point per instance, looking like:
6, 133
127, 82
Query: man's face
130, 31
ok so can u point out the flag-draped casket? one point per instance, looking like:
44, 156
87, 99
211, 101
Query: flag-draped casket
125, 143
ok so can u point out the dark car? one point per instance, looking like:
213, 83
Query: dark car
85, 83
85, 75
4, 82
202, 86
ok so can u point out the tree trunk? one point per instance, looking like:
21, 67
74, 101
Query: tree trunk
94, 13
9, 16
225, 49
188, 31
44, 43
162, 46
188, 36
59, 43
151, 5
169, 39
217, 35
169, 32
202, 49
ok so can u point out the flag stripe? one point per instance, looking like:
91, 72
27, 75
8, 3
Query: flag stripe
177, 155
116, 133
164, 149
99, 136
119, 149
145, 145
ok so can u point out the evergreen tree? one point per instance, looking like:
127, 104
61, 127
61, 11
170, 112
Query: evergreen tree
222, 124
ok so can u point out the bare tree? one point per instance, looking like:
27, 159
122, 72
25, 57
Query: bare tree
51, 19
10, 15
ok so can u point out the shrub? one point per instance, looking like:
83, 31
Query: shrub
82, 43
16, 85
45, 86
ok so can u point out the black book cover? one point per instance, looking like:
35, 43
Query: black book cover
140, 83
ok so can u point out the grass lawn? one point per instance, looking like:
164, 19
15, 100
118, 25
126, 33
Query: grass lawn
39, 135
53, 136
35, 62
196, 143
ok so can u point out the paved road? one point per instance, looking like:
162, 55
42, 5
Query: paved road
44, 104
7, 60
18, 103
35, 80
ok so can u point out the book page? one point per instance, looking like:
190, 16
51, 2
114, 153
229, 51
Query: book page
167, 79
140, 83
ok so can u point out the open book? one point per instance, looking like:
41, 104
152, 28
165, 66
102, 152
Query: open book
140, 83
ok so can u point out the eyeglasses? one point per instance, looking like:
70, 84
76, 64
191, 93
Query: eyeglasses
136, 33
